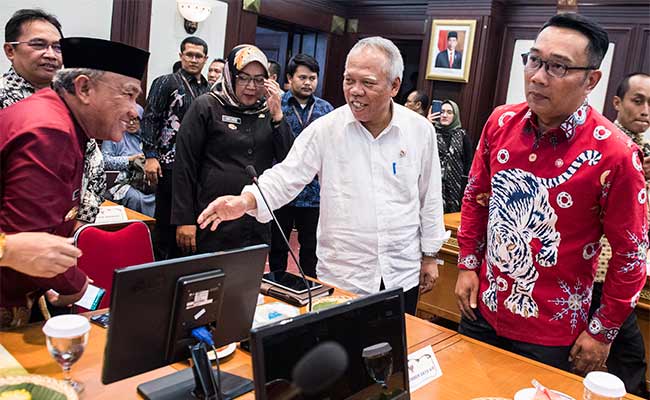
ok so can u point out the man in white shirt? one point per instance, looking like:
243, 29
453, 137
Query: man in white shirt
381, 222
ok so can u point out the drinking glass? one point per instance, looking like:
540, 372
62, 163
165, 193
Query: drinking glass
379, 362
66, 338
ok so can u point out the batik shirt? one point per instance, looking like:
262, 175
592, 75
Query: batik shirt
298, 119
169, 99
13, 88
533, 213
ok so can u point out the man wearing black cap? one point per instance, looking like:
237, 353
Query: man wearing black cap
450, 58
42, 144
32, 45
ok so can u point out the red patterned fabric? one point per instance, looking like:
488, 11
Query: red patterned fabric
105, 251
533, 213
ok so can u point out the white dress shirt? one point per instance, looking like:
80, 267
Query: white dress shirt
381, 202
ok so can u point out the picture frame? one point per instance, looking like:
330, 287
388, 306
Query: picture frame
457, 36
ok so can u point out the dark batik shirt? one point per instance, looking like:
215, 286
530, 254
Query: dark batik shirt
298, 119
169, 99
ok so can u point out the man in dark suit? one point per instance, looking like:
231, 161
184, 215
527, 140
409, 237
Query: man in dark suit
450, 58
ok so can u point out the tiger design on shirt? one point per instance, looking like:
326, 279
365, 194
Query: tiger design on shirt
520, 211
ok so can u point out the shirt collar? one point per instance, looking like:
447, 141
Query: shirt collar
13, 81
191, 78
395, 121
636, 137
291, 99
565, 132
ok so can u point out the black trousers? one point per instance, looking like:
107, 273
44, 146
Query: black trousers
627, 354
410, 298
556, 356
164, 234
305, 220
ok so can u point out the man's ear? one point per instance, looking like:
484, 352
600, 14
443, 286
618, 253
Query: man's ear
617, 101
83, 88
394, 87
10, 52
592, 80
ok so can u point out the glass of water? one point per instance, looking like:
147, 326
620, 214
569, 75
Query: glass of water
379, 362
66, 338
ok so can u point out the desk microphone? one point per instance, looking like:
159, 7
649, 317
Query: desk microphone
315, 372
252, 173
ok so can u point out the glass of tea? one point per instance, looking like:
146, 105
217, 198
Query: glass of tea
66, 338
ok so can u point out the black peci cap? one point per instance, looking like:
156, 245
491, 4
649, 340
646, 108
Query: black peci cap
452, 34
104, 55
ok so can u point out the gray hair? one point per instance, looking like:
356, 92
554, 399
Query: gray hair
394, 66
64, 79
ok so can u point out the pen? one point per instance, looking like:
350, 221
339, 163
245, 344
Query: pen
394, 168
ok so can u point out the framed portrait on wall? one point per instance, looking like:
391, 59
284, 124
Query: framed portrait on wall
450, 50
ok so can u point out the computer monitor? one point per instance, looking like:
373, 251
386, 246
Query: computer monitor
370, 329
155, 305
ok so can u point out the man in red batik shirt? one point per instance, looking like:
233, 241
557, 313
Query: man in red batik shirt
42, 144
549, 177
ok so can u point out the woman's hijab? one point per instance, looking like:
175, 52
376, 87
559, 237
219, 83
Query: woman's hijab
455, 123
224, 90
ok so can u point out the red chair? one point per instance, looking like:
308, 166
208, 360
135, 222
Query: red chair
107, 250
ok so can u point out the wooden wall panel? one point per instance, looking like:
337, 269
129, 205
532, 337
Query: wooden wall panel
130, 24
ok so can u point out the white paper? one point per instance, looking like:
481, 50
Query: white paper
111, 215
423, 368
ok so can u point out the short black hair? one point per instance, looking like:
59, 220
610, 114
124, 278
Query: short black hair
598, 38
197, 41
274, 68
624, 86
221, 60
302, 59
422, 97
14, 26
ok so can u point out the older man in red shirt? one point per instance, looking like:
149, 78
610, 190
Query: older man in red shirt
549, 177
42, 143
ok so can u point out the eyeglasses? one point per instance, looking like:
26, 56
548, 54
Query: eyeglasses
554, 69
244, 79
40, 45
193, 56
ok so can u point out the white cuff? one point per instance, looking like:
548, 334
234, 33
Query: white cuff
261, 213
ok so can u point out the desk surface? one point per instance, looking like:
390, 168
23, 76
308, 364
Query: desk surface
473, 369
134, 215
27, 345
470, 368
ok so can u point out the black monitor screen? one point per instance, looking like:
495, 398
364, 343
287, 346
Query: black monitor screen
374, 323
143, 308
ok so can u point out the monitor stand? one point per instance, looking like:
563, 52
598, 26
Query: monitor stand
198, 382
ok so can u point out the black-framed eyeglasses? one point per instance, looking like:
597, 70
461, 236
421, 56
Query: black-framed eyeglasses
554, 69
40, 45
243, 79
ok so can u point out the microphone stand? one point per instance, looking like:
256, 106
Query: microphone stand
253, 175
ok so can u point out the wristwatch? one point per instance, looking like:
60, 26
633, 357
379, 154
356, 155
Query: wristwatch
3, 238
429, 254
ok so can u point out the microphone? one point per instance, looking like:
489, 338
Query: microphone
252, 173
331, 360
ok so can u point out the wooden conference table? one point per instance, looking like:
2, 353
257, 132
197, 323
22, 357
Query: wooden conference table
470, 368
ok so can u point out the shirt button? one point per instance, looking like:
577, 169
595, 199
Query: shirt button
532, 157
559, 163
250, 151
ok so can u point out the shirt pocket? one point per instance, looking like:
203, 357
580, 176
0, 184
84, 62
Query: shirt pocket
404, 180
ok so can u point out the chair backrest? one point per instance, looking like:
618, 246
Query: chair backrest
104, 251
